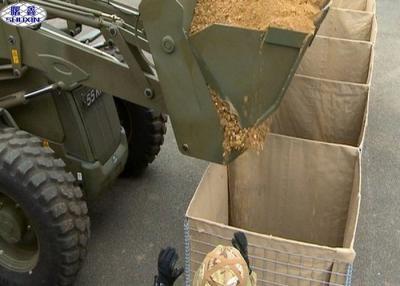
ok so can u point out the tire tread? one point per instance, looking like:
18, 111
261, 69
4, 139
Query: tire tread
24, 158
149, 128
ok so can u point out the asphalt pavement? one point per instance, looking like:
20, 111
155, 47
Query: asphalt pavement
378, 235
137, 217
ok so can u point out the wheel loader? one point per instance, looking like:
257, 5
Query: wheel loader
83, 99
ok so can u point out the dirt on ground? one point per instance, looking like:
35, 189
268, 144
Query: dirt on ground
237, 138
298, 15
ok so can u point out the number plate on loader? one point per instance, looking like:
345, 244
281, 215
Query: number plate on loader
91, 96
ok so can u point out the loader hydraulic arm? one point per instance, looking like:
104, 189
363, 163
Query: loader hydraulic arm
248, 69
68, 62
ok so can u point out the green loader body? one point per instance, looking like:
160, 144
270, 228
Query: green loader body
81, 126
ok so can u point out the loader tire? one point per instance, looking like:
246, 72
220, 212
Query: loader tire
51, 211
145, 130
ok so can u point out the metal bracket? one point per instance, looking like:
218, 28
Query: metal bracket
8, 72
60, 69
14, 42
73, 28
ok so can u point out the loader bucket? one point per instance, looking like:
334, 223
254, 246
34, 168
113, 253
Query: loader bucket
248, 69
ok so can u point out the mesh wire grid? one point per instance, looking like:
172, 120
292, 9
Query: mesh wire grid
274, 267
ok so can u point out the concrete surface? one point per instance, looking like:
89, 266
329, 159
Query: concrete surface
137, 217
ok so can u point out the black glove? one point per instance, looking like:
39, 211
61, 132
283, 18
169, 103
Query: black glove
167, 273
239, 241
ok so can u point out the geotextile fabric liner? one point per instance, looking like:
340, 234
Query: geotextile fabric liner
329, 96
349, 24
361, 5
338, 59
298, 204
323, 110
301, 189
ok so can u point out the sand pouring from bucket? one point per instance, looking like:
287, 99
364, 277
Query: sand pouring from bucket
249, 69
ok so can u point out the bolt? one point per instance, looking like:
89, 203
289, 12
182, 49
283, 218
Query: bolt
11, 40
110, 43
17, 206
113, 31
185, 147
149, 93
28, 227
36, 27
168, 44
17, 73
60, 86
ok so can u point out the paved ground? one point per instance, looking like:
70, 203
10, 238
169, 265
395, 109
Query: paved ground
378, 243
137, 217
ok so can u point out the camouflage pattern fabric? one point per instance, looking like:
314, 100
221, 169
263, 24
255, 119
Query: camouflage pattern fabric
224, 266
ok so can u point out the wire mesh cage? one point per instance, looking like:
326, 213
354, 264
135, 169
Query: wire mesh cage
300, 233
274, 267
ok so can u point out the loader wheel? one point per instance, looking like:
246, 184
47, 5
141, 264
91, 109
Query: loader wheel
44, 225
145, 130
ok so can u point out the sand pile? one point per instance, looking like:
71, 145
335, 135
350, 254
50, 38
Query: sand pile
298, 15
237, 138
